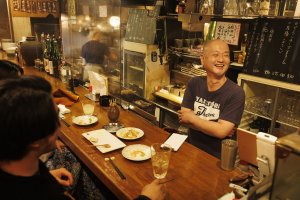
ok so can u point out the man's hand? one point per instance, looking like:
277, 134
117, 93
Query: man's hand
185, 116
63, 176
59, 145
154, 190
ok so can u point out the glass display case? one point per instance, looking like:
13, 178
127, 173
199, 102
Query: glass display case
134, 71
271, 106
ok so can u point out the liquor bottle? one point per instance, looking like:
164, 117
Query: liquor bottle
56, 60
181, 6
65, 72
289, 8
50, 63
264, 7
59, 43
230, 7
47, 53
243, 46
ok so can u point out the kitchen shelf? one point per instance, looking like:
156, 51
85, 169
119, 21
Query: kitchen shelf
287, 124
136, 68
259, 115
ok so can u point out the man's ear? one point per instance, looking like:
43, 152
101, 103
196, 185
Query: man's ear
201, 58
35, 145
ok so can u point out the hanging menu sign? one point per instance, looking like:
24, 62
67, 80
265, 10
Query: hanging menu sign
34, 8
273, 48
141, 25
228, 31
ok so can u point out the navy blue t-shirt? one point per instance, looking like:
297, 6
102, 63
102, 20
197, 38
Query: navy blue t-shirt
226, 103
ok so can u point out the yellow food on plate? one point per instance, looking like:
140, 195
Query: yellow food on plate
136, 153
131, 134
93, 139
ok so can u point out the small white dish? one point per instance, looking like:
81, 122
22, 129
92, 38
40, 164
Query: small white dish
85, 120
101, 136
137, 152
130, 133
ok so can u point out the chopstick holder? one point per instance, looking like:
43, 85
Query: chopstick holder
175, 141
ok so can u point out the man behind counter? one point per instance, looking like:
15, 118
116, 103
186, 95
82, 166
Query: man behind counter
212, 106
94, 52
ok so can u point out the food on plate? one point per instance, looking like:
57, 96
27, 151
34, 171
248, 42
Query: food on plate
131, 133
135, 153
93, 140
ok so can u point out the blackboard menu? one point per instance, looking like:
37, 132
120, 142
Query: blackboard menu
273, 49
141, 25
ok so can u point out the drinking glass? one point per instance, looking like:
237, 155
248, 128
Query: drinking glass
160, 157
88, 106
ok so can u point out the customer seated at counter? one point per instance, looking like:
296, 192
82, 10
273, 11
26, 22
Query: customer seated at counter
61, 155
212, 106
25, 137
9, 69
30, 125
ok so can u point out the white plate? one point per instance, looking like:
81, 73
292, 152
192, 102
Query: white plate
101, 136
137, 152
85, 120
130, 133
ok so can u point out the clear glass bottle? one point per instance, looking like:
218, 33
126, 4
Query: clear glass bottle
289, 8
65, 72
274, 6
207, 7
264, 7
230, 7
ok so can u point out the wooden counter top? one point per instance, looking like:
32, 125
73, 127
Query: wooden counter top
197, 174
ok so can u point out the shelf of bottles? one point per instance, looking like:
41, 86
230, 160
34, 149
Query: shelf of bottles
52, 54
241, 8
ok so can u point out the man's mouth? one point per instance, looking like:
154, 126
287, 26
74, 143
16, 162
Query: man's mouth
219, 65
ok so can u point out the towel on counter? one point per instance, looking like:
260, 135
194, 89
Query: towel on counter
63, 110
65, 97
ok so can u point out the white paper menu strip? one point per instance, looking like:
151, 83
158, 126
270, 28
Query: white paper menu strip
176, 140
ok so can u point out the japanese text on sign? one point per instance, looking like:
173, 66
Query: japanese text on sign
228, 31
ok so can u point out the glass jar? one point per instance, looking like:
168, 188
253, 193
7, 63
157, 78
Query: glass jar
113, 112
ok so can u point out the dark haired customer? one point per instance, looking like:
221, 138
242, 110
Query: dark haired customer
30, 127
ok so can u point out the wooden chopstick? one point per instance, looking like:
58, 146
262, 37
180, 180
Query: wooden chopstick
64, 122
122, 176
163, 182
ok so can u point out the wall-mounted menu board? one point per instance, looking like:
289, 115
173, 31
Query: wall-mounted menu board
228, 31
141, 25
273, 49
34, 8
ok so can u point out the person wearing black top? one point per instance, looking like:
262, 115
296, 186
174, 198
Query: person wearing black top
29, 128
94, 53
